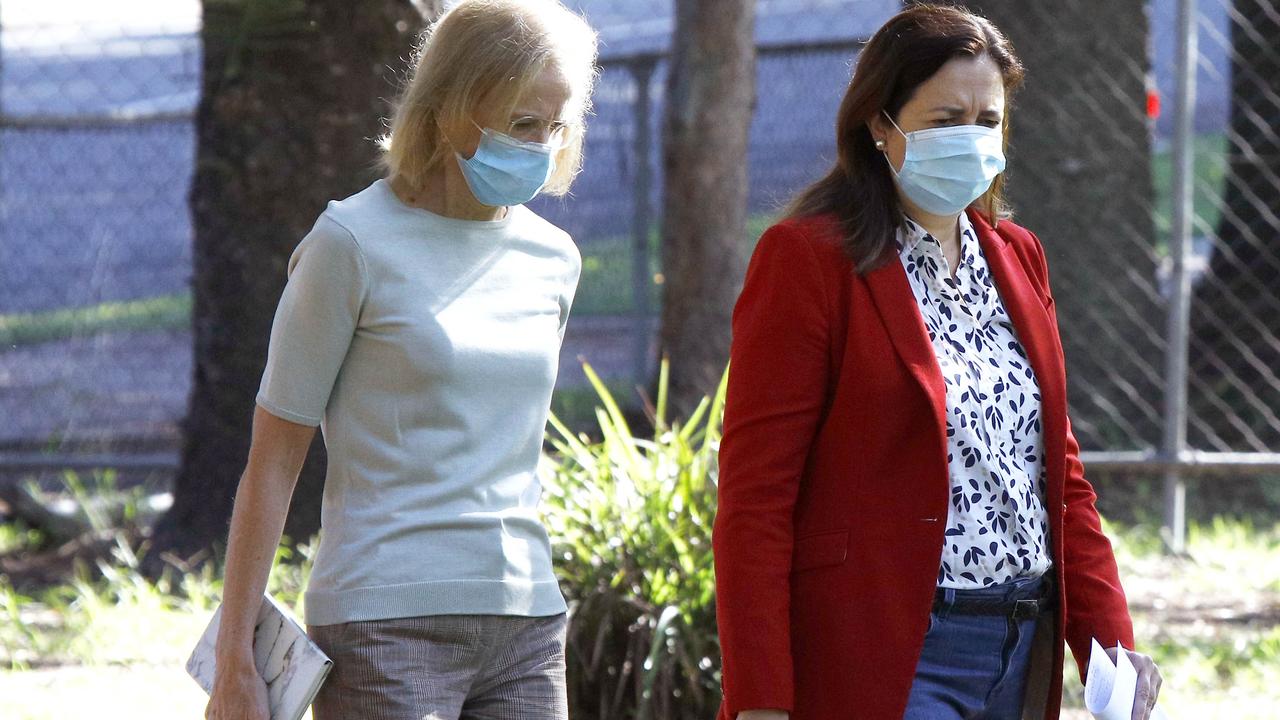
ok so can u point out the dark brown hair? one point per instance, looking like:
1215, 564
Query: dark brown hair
903, 54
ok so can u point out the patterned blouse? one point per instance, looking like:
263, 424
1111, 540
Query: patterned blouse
997, 527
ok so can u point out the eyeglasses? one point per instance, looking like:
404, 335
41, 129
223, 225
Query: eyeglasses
535, 129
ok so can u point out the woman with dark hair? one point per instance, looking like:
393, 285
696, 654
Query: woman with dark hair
904, 527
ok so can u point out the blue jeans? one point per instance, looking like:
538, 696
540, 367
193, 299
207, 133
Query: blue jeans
974, 666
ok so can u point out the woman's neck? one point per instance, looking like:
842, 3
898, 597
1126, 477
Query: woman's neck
946, 230
445, 193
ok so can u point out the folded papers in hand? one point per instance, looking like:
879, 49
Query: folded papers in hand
291, 664
1110, 687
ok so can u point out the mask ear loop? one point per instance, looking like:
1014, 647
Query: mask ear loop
483, 130
887, 161
448, 140
883, 147
894, 124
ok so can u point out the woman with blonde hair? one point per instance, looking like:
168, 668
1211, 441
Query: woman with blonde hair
421, 328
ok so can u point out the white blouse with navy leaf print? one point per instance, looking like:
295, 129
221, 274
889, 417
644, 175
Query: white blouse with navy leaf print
997, 527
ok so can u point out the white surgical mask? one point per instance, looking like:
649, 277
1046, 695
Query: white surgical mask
507, 171
947, 168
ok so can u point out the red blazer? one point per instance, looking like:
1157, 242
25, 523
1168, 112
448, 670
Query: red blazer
834, 486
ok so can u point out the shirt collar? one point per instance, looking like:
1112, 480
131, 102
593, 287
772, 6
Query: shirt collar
910, 234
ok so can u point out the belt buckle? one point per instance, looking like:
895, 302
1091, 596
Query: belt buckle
1026, 609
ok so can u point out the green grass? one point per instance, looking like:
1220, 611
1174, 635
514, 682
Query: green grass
1211, 619
90, 644
606, 287
113, 647
629, 519
1210, 170
15, 535
119, 617
111, 613
141, 691
163, 312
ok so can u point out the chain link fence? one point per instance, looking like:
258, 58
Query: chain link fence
96, 141
1146, 155
1234, 396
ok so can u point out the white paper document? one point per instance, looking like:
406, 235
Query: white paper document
1109, 688
292, 666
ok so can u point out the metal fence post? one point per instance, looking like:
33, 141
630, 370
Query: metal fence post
642, 218
3, 118
1175, 429
2, 123
1, 60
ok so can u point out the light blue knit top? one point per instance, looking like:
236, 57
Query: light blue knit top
426, 348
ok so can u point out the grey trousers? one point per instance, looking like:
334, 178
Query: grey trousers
444, 667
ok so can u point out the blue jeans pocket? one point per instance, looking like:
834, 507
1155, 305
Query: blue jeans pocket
933, 622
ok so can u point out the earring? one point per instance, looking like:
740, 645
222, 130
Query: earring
880, 145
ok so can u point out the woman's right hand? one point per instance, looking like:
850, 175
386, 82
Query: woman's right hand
239, 693
763, 715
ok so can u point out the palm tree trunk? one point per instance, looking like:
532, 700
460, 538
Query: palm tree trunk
293, 94
710, 98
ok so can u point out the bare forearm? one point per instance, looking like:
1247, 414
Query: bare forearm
257, 522
262, 502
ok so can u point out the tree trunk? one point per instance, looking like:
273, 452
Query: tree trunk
1235, 341
710, 97
293, 94
1080, 178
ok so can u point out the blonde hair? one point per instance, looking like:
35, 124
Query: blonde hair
489, 51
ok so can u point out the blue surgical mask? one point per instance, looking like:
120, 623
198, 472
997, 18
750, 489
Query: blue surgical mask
945, 169
506, 171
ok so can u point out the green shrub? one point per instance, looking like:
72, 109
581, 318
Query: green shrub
630, 523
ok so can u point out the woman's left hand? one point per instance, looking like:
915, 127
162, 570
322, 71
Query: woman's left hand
1149, 681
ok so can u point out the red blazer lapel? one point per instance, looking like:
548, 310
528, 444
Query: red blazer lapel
891, 293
